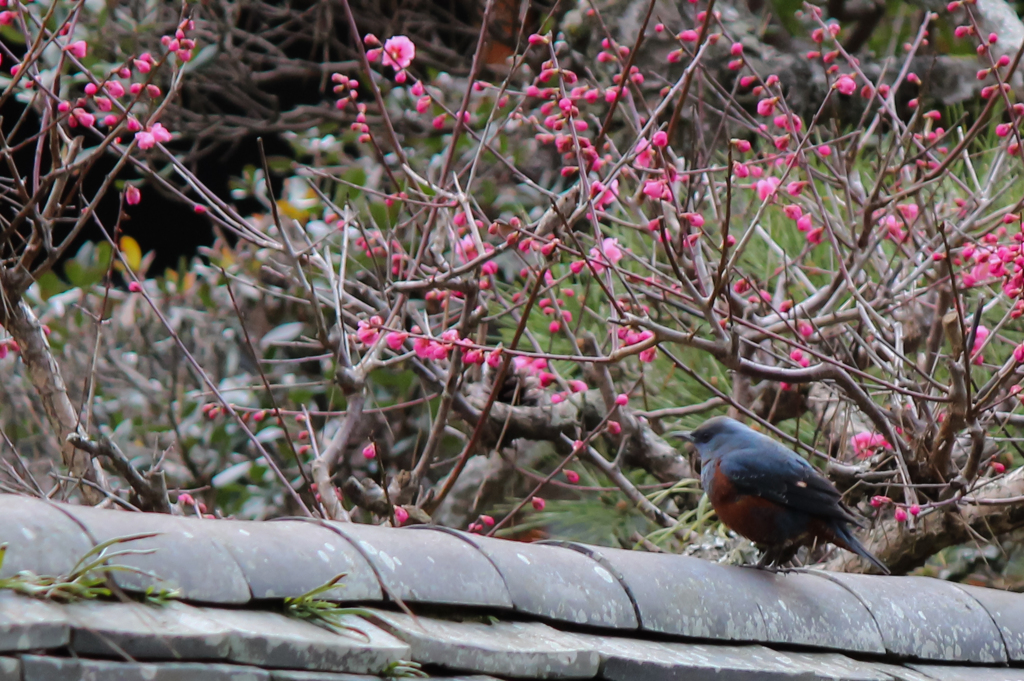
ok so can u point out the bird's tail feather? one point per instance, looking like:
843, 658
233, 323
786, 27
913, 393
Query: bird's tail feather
847, 540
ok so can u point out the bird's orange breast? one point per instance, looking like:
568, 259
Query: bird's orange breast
756, 518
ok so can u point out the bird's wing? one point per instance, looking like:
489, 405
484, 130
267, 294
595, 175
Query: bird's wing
777, 474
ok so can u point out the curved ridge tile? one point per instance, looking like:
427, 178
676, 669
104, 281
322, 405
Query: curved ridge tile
40, 538
1006, 609
677, 595
428, 567
557, 583
180, 555
690, 597
287, 558
926, 619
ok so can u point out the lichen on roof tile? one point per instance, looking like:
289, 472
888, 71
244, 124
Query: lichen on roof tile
927, 619
312, 557
558, 583
428, 567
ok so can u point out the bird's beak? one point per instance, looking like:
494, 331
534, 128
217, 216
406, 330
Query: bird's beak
686, 436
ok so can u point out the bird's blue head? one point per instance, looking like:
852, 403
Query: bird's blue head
718, 435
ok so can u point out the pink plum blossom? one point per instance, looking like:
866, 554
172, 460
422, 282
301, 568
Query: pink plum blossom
396, 339
399, 52
865, 444
369, 331
609, 252
605, 196
979, 342
767, 187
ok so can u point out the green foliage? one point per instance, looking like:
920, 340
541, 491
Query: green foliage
88, 579
325, 613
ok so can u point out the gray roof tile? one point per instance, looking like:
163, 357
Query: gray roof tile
899, 673
30, 624
40, 537
314, 556
10, 669
944, 673
268, 639
690, 597
882, 619
1007, 610
428, 567
926, 619
835, 666
68, 669
182, 556
288, 675
632, 660
144, 632
519, 649
557, 583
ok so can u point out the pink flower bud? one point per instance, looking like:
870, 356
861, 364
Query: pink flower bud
370, 451
570, 475
766, 107
134, 287
900, 515
622, 399
538, 503
78, 48
401, 515
846, 85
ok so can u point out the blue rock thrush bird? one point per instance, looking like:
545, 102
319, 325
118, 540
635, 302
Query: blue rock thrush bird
770, 495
